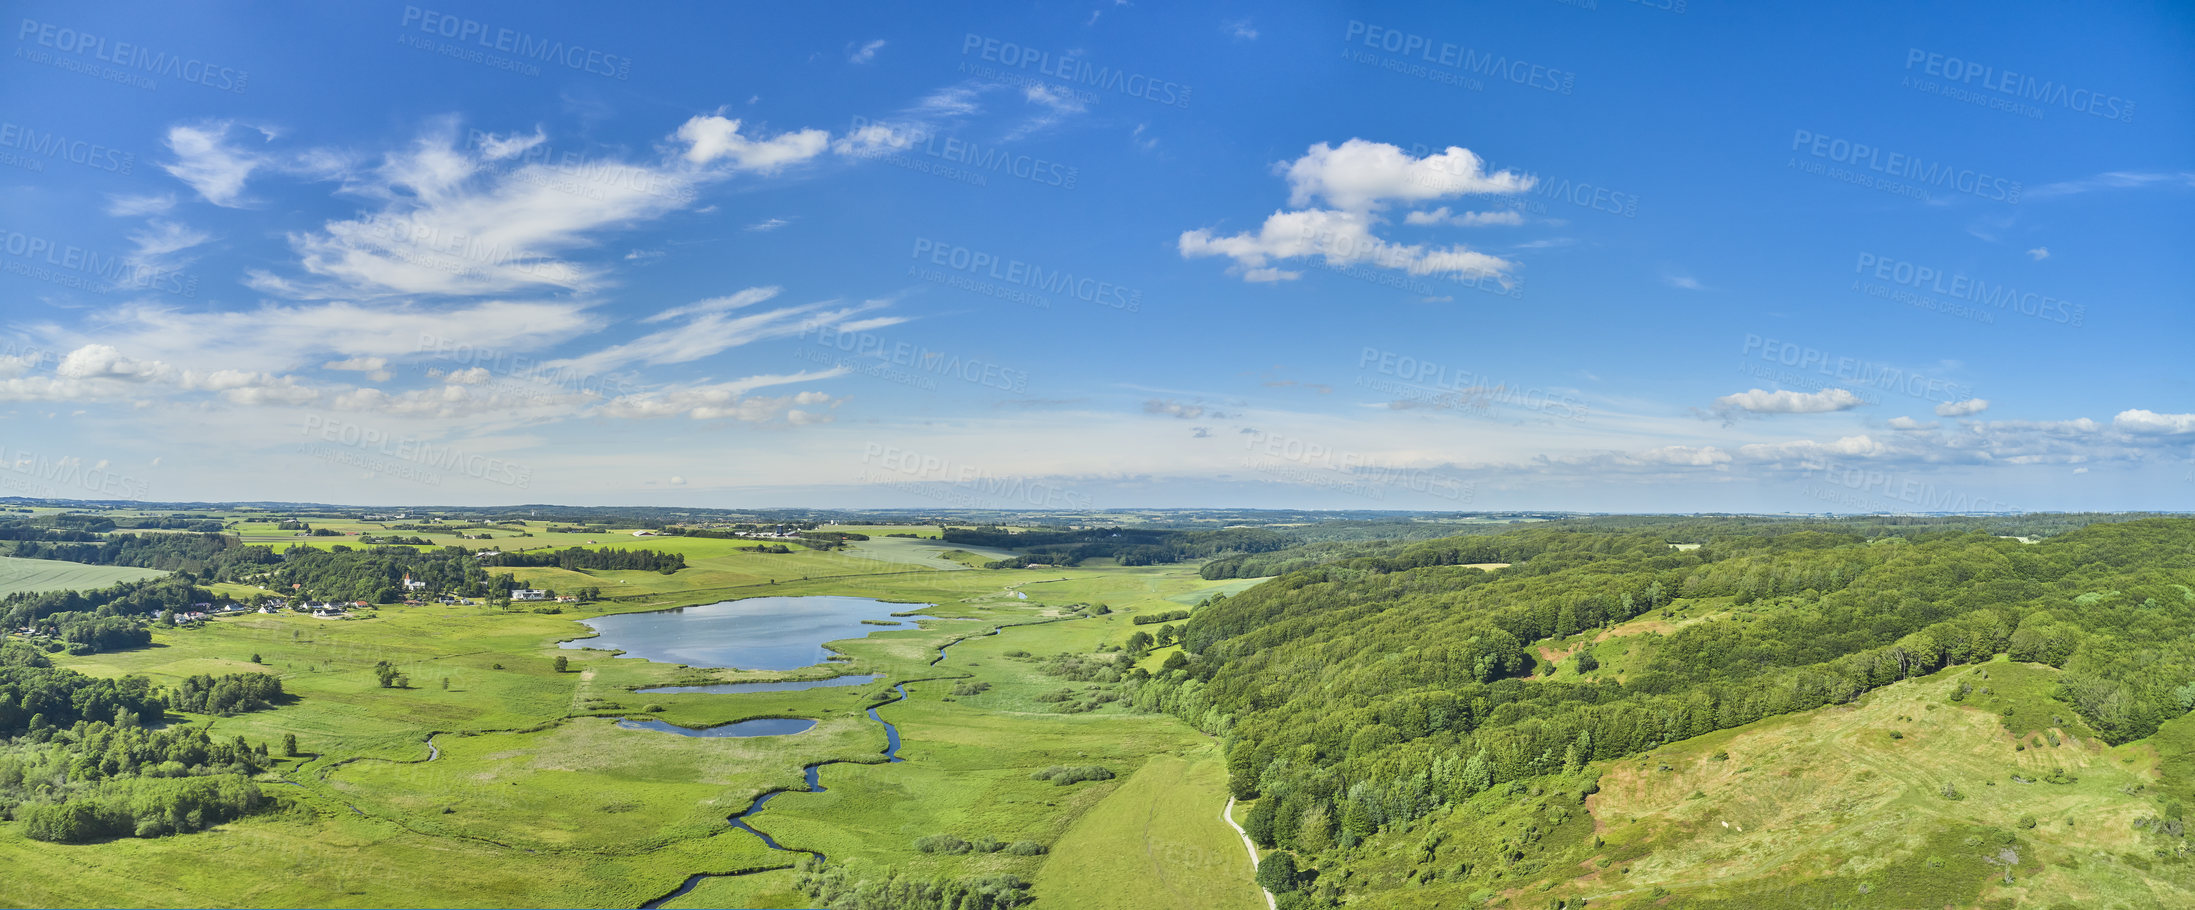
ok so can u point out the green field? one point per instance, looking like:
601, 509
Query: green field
1156, 842
18, 575
495, 771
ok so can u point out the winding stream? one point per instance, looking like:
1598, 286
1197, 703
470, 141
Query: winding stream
815, 781
812, 773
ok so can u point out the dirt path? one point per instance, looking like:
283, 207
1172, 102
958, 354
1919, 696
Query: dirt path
1228, 815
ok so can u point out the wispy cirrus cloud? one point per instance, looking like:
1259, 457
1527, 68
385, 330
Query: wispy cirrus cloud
2115, 180
865, 53
483, 220
710, 327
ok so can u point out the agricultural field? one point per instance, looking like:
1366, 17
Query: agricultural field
18, 575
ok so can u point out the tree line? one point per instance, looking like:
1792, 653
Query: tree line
606, 558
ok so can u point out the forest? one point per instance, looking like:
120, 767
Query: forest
1428, 692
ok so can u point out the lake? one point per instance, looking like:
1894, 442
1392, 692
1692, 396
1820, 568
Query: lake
758, 633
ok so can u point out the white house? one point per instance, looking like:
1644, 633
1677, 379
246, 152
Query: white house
528, 594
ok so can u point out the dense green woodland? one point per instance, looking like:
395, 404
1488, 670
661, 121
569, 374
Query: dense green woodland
81, 759
1373, 690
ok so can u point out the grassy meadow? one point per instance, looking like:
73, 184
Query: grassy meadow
492, 779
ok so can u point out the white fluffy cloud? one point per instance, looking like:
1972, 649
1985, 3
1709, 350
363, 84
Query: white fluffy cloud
100, 361
1356, 181
1340, 239
1962, 408
1361, 176
1785, 401
712, 138
1807, 449
2150, 423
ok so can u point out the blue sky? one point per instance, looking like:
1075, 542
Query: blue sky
1604, 255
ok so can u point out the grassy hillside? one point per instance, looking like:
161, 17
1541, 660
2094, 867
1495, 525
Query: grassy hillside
1841, 806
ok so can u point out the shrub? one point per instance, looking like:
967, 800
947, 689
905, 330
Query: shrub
943, 843
1064, 775
1026, 848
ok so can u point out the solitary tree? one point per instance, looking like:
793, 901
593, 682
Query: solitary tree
561, 663
289, 744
